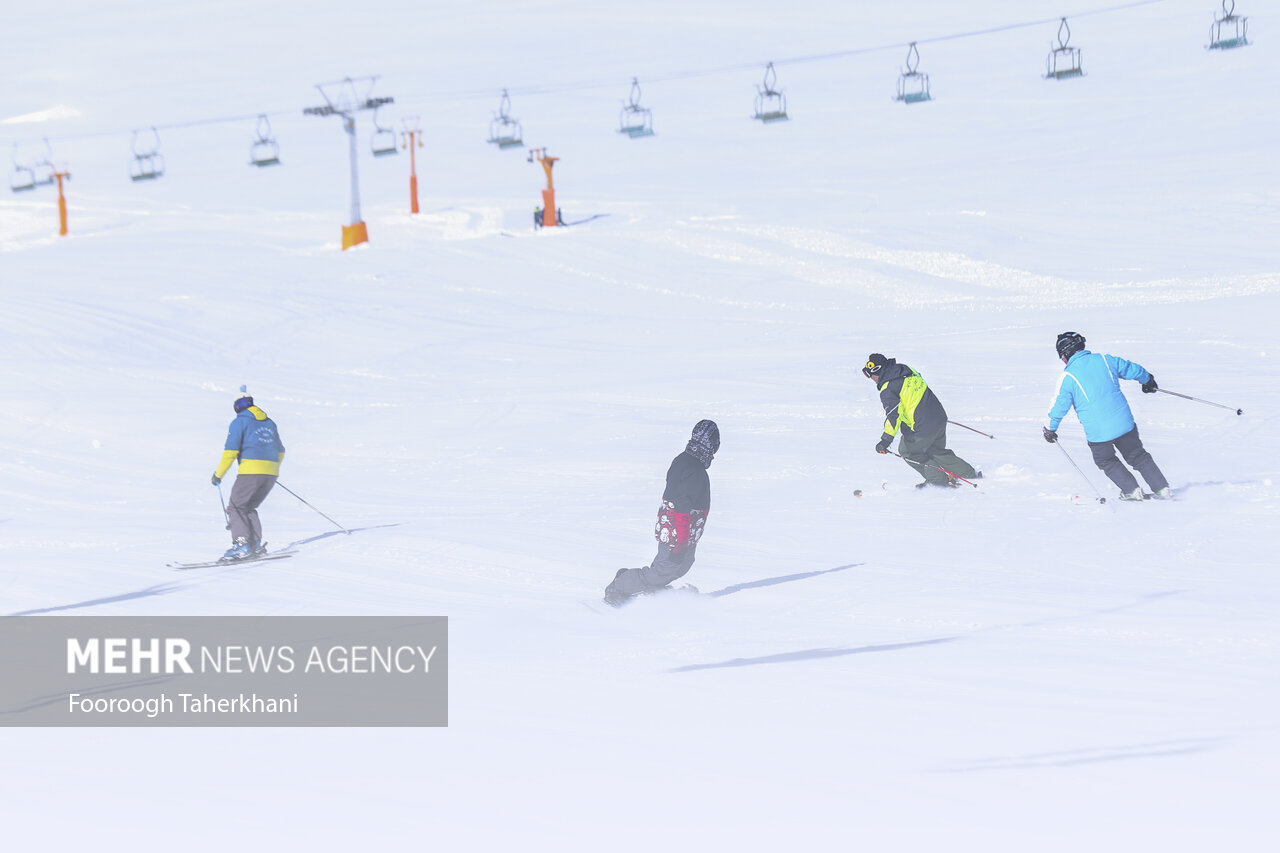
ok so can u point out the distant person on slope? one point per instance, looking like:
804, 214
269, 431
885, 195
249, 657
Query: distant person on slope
254, 440
686, 501
911, 407
1091, 384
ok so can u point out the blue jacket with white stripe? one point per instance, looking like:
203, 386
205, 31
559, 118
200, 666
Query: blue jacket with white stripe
1091, 383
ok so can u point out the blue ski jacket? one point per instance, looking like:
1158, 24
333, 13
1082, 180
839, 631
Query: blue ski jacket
1091, 384
254, 440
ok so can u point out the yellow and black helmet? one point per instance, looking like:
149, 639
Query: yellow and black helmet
875, 363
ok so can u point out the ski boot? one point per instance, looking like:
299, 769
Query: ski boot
1135, 495
238, 551
612, 597
615, 599
1165, 494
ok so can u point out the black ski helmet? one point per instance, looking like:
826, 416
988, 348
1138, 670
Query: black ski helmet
1068, 344
875, 363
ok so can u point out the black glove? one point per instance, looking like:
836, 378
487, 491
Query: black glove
215, 479
1150, 386
882, 446
1050, 435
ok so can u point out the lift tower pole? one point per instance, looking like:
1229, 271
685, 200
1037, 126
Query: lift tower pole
550, 216
62, 202
343, 99
412, 136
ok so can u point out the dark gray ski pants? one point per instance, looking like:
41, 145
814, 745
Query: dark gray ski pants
665, 568
1130, 447
248, 493
922, 452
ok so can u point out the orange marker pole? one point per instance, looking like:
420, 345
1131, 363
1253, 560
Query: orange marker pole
411, 137
413, 184
62, 204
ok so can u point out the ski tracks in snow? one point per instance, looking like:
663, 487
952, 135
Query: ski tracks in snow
834, 261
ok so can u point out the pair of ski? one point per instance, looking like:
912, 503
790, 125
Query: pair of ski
259, 558
1146, 496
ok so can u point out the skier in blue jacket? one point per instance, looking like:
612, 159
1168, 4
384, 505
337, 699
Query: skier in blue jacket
253, 441
1091, 384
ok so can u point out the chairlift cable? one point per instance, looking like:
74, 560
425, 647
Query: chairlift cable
596, 83
557, 88
98, 134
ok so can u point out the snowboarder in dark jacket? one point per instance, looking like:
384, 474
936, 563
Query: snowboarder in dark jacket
254, 443
912, 409
686, 502
1091, 385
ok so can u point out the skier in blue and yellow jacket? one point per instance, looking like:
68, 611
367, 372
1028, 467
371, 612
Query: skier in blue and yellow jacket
1091, 385
254, 441
912, 410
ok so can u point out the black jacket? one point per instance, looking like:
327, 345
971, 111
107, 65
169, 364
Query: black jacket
688, 486
909, 401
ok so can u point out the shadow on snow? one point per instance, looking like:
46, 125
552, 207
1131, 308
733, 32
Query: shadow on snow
738, 587
166, 588
817, 654
811, 654
157, 589
1071, 758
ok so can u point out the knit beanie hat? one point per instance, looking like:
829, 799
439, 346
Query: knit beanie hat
704, 442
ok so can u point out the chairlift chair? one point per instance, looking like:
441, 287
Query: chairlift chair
1063, 61
383, 141
44, 169
22, 177
505, 131
634, 120
771, 104
264, 151
913, 86
148, 164
1238, 36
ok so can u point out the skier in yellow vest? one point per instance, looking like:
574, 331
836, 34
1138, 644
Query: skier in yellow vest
914, 411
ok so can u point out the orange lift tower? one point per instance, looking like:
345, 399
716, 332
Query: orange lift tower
412, 138
550, 215
62, 203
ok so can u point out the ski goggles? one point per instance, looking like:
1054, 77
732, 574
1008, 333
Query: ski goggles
871, 369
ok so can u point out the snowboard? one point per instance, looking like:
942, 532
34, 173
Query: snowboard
598, 605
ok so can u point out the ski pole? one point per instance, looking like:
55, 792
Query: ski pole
1198, 400
971, 429
1101, 499
225, 514
299, 497
934, 467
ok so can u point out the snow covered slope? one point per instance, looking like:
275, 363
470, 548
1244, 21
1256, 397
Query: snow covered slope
492, 409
